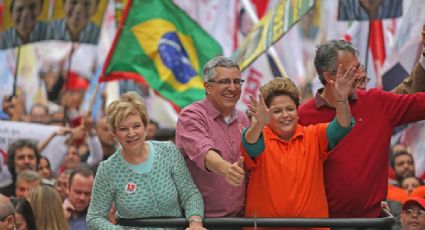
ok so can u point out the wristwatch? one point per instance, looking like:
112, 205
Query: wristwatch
195, 220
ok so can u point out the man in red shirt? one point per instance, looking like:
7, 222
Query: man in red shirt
356, 173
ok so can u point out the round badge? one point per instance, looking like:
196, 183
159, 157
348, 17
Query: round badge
130, 187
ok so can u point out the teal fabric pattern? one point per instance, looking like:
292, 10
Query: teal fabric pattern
162, 192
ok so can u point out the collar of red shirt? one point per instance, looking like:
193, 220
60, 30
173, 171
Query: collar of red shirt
320, 101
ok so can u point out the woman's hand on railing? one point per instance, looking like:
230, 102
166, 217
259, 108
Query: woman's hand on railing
196, 226
195, 223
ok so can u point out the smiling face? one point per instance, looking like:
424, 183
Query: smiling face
130, 133
78, 14
24, 15
224, 96
284, 118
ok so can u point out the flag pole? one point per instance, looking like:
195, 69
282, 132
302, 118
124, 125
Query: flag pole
94, 96
15, 75
68, 72
271, 50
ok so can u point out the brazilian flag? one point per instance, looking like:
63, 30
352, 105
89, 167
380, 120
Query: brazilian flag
158, 44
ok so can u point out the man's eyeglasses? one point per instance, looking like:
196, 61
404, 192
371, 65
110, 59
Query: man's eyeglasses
227, 82
419, 213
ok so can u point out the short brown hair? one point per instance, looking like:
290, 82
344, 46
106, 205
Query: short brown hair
82, 171
129, 103
280, 86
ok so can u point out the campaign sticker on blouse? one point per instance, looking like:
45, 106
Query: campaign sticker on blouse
130, 187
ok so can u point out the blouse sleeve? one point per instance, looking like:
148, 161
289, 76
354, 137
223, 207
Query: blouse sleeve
189, 196
101, 200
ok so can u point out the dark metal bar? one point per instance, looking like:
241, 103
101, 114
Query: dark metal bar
385, 221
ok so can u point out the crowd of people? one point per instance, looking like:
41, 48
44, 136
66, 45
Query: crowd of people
326, 157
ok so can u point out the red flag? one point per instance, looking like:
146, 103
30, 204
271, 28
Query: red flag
377, 44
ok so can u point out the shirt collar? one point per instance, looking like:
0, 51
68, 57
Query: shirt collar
215, 113
321, 102
274, 136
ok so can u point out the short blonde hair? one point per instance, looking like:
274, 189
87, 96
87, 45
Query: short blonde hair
129, 103
280, 86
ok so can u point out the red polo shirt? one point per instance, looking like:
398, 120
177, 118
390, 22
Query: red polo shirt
356, 173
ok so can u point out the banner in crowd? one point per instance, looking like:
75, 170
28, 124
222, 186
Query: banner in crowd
270, 29
11, 131
37, 20
161, 46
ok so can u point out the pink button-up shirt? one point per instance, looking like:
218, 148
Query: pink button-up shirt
201, 127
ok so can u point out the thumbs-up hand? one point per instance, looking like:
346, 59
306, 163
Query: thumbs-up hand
235, 174
240, 162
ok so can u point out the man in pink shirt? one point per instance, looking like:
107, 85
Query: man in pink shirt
209, 135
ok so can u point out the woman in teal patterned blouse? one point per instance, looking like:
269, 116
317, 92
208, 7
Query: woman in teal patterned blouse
143, 179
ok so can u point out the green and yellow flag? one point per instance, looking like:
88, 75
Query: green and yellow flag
159, 45
270, 29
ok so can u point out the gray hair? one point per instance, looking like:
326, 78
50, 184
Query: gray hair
6, 207
327, 56
29, 176
219, 61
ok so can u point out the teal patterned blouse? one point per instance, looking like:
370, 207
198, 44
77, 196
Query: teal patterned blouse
161, 191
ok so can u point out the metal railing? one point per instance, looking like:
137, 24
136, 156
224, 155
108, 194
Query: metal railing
384, 222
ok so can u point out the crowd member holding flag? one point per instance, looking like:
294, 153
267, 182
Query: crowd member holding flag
286, 159
144, 178
208, 135
356, 173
